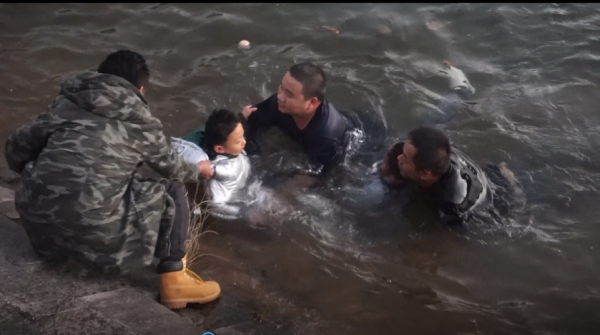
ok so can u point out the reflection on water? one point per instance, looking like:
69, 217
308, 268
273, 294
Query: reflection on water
341, 255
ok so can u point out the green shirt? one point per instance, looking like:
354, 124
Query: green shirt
197, 136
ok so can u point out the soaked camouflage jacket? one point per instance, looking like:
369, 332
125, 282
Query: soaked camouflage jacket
82, 193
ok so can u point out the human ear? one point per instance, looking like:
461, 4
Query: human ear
425, 175
219, 149
314, 102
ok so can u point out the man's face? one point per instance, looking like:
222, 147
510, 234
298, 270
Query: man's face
291, 100
406, 162
235, 142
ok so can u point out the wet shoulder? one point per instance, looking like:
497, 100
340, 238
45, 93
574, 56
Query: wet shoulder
231, 167
460, 159
328, 122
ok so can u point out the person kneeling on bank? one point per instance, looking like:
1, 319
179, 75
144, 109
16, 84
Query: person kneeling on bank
82, 194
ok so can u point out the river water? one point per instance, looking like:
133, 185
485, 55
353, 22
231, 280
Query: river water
343, 258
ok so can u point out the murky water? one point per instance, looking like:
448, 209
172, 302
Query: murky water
343, 258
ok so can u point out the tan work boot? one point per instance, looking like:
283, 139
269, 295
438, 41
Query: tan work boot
179, 288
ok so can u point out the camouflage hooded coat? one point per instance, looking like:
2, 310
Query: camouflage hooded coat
81, 193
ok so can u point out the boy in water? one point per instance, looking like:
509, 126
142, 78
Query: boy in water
222, 142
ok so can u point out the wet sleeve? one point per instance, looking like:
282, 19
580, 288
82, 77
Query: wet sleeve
260, 120
165, 160
224, 171
27, 142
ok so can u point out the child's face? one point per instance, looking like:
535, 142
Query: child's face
386, 173
235, 142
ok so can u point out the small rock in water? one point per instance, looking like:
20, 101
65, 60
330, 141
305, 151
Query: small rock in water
331, 29
384, 30
434, 25
244, 44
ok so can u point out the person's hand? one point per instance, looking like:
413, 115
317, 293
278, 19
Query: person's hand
206, 170
248, 110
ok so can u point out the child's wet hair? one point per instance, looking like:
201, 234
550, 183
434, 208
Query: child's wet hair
219, 125
392, 159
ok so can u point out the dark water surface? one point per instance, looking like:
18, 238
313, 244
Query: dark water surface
340, 259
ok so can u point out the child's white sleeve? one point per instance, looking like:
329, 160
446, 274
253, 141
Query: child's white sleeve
225, 170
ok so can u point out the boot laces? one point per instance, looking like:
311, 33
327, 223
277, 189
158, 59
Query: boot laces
192, 274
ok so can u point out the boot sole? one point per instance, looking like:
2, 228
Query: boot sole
181, 303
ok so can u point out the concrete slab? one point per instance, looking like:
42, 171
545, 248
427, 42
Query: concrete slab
56, 299
83, 321
13, 322
139, 313
6, 194
7, 203
229, 330
8, 209
8, 176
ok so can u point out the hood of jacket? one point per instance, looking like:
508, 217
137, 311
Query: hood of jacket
109, 96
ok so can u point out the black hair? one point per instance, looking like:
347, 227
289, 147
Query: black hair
220, 124
392, 159
127, 64
312, 79
433, 150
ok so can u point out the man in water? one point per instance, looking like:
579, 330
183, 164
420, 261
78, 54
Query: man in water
300, 110
445, 175
83, 195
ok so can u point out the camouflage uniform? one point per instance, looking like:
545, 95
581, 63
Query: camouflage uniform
82, 193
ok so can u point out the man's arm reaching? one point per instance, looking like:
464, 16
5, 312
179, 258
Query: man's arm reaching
259, 118
164, 159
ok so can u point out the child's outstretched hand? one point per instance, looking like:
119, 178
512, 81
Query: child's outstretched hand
248, 110
206, 170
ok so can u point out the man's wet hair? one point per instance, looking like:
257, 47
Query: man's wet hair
433, 150
312, 79
127, 64
220, 124
392, 159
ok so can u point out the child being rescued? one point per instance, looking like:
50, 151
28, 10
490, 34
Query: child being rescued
222, 142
